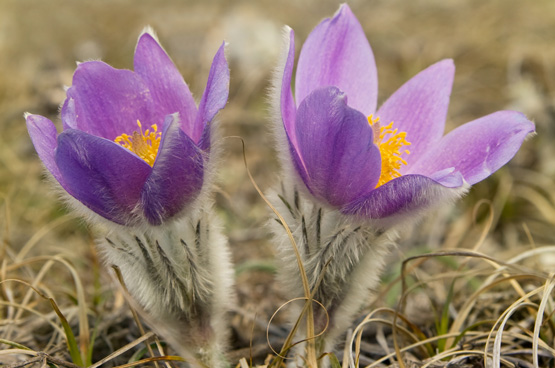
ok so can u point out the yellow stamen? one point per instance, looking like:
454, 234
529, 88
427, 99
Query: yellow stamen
145, 145
390, 149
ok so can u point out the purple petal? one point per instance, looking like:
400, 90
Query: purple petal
448, 178
400, 196
176, 177
287, 103
101, 174
167, 87
69, 116
108, 101
215, 95
478, 148
337, 53
205, 138
419, 108
336, 148
43, 135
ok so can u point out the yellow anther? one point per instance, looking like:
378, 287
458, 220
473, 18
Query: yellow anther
390, 149
145, 145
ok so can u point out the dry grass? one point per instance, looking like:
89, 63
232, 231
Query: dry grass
482, 296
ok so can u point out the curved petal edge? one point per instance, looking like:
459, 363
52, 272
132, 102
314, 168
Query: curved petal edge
478, 148
404, 197
335, 148
167, 87
337, 53
43, 134
419, 107
101, 174
177, 175
215, 95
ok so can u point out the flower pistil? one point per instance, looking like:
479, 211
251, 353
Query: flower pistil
143, 144
390, 149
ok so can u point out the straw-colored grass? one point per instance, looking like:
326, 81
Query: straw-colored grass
471, 286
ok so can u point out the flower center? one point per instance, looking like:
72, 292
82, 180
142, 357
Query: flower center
390, 149
145, 145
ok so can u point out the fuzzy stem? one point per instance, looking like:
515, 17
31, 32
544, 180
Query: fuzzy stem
180, 278
342, 258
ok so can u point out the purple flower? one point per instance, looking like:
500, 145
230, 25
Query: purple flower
393, 161
134, 144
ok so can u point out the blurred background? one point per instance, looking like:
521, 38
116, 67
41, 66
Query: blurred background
504, 51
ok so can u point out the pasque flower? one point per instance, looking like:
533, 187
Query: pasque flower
353, 174
393, 161
134, 143
135, 149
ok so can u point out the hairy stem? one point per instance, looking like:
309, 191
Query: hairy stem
179, 277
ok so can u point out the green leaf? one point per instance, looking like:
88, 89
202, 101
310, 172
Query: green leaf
444, 323
70, 337
334, 361
14, 344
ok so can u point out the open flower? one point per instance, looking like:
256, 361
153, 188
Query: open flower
386, 163
134, 145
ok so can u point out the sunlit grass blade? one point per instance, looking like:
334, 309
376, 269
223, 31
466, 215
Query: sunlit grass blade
548, 288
